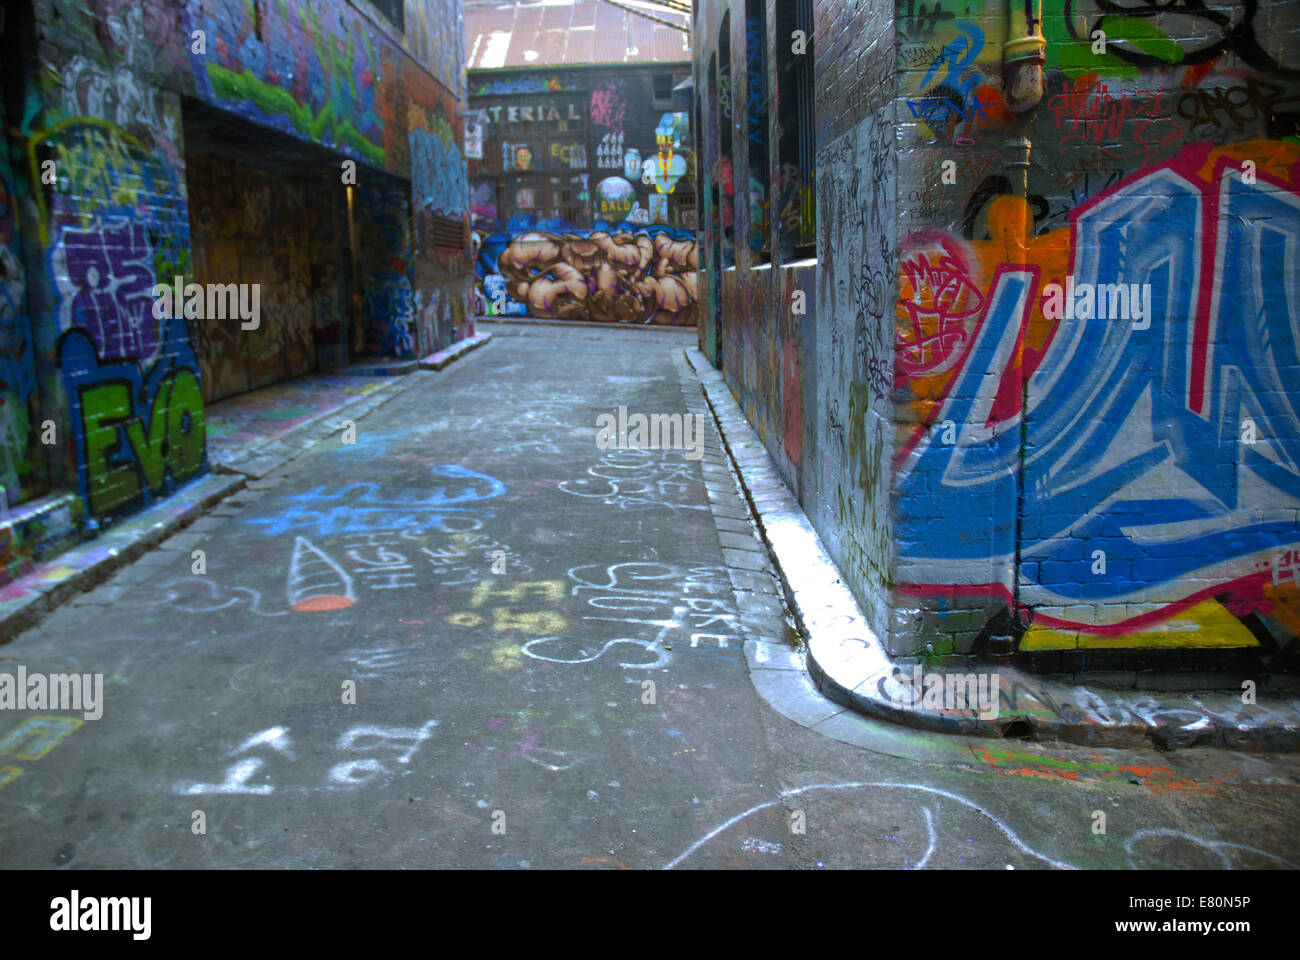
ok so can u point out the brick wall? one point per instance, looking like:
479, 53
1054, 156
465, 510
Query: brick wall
584, 197
99, 210
980, 459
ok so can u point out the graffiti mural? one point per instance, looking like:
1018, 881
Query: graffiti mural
22, 469
1181, 425
607, 275
1045, 356
668, 165
118, 222
1146, 431
438, 172
137, 433
385, 253
441, 276
116, 195
318, 72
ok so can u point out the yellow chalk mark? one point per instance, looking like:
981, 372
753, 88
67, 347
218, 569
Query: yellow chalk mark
552, 590
465, 619
538, 622
8, 775
507, 656
48, 731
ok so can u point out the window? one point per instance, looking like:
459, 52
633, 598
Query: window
685, 210
759, 201
663, 84
796, 204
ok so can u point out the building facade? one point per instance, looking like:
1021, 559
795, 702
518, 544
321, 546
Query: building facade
305, 156
581, 165
1010, 293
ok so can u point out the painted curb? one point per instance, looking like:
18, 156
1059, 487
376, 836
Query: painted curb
436, 361
398, 368
849, 665
29, 599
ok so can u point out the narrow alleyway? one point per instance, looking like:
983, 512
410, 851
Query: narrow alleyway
500, 591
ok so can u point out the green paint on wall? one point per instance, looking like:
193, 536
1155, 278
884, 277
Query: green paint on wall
1075, 57
245, 85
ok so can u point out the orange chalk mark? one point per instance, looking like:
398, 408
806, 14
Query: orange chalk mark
318, 604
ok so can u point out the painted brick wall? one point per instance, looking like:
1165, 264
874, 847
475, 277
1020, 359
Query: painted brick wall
96, 87
584, 197
979, 460
1124, 482
803, 343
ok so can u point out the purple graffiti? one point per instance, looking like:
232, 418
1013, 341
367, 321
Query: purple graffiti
111, 272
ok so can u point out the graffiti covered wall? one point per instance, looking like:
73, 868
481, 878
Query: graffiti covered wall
580, 145
104, 192
96, 208
442, 275
620, 274
1126, 473
331, 75
23, 472
1051, 390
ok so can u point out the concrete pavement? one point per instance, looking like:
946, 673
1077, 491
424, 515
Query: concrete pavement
473, 639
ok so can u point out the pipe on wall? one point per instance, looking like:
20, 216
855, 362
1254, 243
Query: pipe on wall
1023, 55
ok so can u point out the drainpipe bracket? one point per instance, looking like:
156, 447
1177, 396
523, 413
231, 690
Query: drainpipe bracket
1025, 50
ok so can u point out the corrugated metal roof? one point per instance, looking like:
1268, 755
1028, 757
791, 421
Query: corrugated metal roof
552, 33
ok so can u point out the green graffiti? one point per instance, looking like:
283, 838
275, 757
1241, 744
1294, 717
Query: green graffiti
1075, 57
246, 85
174, 439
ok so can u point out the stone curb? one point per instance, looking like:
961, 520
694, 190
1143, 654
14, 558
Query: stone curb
849, 665
436, 361
29, 599
397, 368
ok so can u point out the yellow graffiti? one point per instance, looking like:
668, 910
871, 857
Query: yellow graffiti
92, 174
1284, 603
1206, 625
48, 732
